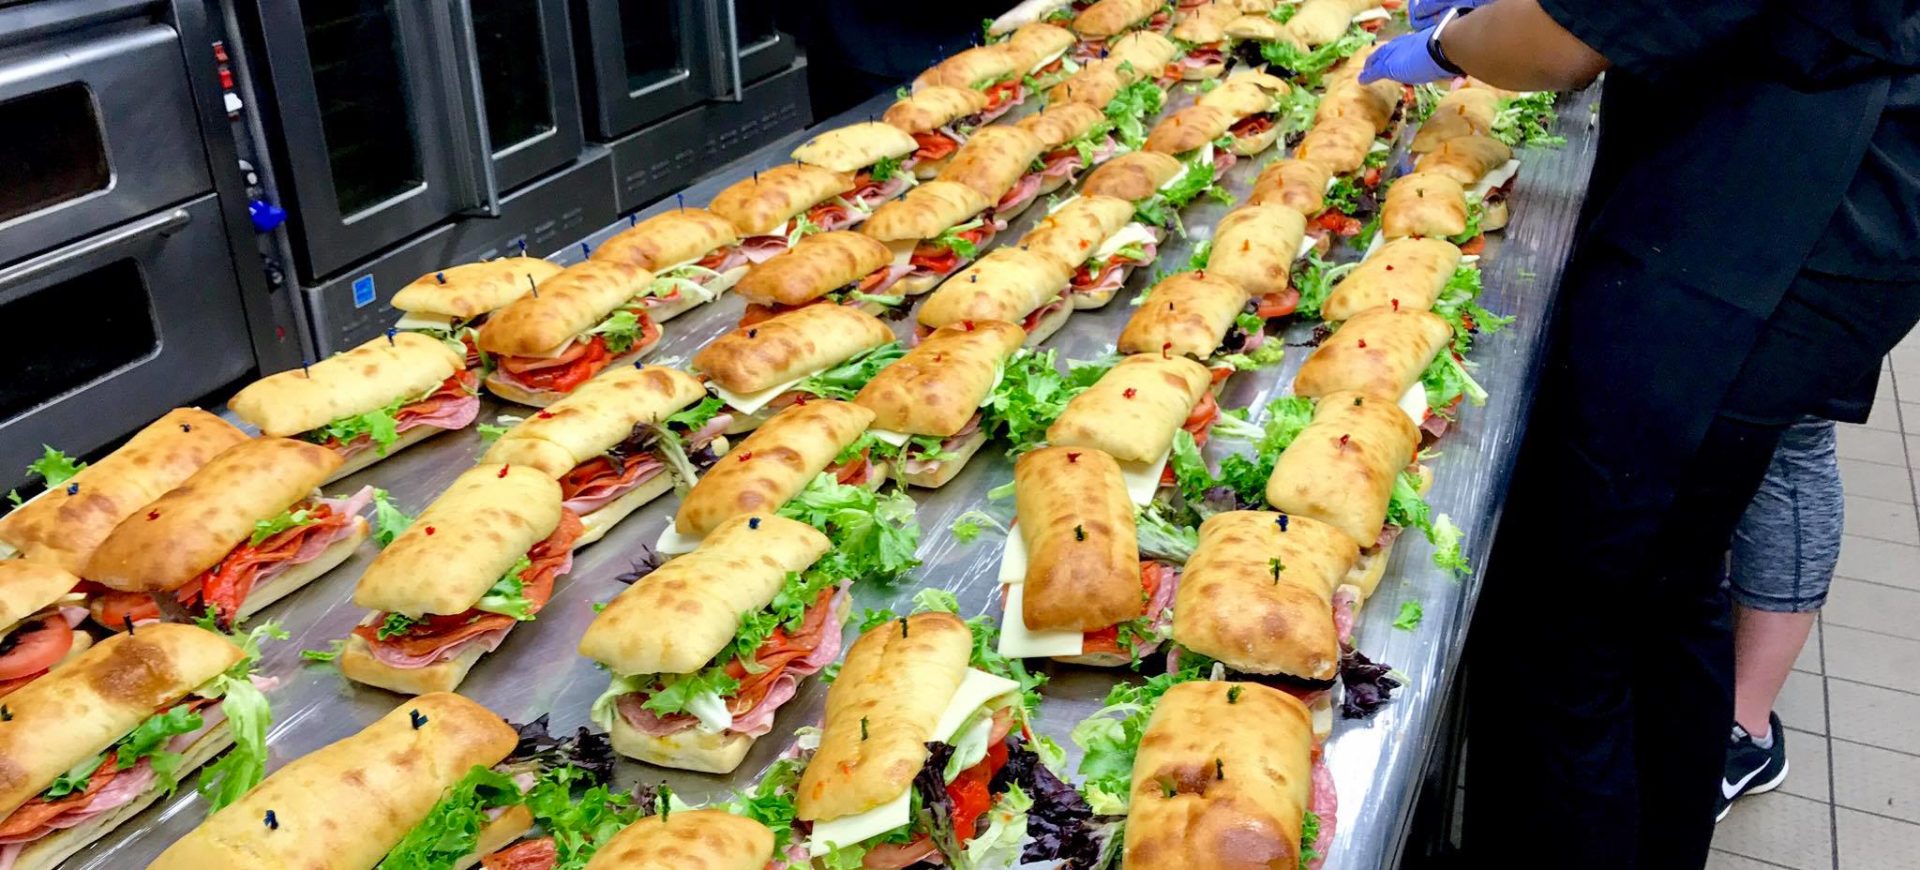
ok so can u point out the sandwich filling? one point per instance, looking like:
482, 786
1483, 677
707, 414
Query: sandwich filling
407, 642
294, 537
625, 330
35, 644
953, 249
685, 442
452, 405
1061, 165
702, 280
456, 333
1104, 273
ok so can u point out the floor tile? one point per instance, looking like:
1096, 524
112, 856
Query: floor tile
1807, 765
1874, 480
1723, 860
1779, 828
1884, 415
1886, 520
1802, 704
1875, 780
1880, 561
1871, 606
1809, 660
1909, 406
1874, 843
1905, 360
1876, 659
1872, 445
1874, 716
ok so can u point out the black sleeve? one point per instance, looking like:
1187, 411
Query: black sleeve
1650, 38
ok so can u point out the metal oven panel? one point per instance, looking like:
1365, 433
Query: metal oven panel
151, 319
643, 60
100, 129
660, 159
764, 50
520, 54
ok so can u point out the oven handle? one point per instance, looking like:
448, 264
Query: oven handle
727, 22
160, 224
474, 99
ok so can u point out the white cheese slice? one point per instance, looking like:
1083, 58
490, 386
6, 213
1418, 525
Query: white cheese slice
751, 403
1130, 234
1374, 14
1306, 244
1414, 402
902, 250
977, 688
1061, 204
1143, 478
1177, 176
999, 374
411, 321
1018, 641
1379, 238
1013, 558
888, 436
1379, 146
1500, 175
1331, 181
672, 543
1042, 64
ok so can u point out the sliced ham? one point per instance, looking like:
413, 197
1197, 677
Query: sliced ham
892, 856
1434, 425
832, 216
606, 490
1062, 165
759, 249
316, 543
1346, 600
1324, 803
759, 720
393, 657
1022, 193
1222, 161
917, 465
125, 787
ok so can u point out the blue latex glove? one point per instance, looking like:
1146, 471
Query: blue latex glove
1404, 59
1422, 14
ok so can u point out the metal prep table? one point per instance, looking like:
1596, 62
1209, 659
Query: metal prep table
1378, 764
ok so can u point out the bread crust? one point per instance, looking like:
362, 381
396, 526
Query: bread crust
1132, 177
1424, 204
469, 290
1188, 129
1074, 232
1341, 468
1465, 159
1254, 247
789, 345
1237, 606
1109, 18
758, 204
1187, 313
594, 418
463, 542
370, 376
668, 239
772, 465
993, 160
1404, 273
939, 385
1300, 185
855, 146
933, 107
688, 840
1339, 144
926, 211
1379, 352
1083, 566
1007, 284
1137, 427
1061, 123
568, 304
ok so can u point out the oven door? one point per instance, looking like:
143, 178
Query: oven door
516, 82
645, 60
761, 48
363, 126
99, 129
115, 329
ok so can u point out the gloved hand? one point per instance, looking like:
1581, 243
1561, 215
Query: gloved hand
1422, 14
1404, 59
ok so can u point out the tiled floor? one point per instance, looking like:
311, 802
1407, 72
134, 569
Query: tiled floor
1852, 708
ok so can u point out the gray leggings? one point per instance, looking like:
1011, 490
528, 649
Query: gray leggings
1787, 543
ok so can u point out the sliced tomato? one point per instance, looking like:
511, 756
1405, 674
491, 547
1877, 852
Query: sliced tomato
1221, 373
1371, 178
35, 646
1003, 93
1278, 304
535, 854
226, 585
1084, 280
1338, 224
37, 812
874, 279
934, 259
1372, 26
580, 362
970, 799
855, 471
934, 145
439, 630
1474, 245
113, 610
1202, 416
718, 256
1252, 125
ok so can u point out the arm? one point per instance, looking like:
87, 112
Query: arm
1514, 44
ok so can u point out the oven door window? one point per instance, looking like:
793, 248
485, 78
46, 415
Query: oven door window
754, 21
64, 158
655, 49
513, 70
88, 327
364, 114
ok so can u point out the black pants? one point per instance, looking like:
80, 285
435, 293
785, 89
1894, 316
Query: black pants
1600, 662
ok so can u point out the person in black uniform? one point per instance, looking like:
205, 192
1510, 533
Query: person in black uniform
858, 48
1749, 252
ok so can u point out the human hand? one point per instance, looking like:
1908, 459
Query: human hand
1422, 14
1404, 59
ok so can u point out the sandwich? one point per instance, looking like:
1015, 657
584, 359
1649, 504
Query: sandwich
1107, 19
927, 405
1295, 183
1379, 352
617, 443
586, 320
441, 601
1468, 110
1377, 103
840, 268
424, 780
1339, 144
1318, 22
1209, 317
772, 210
1426, 203
1046, 46
246, 530
39, 612
368, 403
1485, 166
1000, 164
769, 468
693, 255
1252, 101
1259, 596
1145, 55
934, 230
879, 155
1401, 274
62, 525
1073, 136
1010, 284
1228, 774
1197, 136
1255, 246
1132, 412
707, 839
750, 619
1030, 11
1202, 32
1250, 34
1098, 84
1343, 469
909, 723
939, 119
90, 745
451, 304
1100, 238
761, 369
1074, 584
998, 70
1157, 184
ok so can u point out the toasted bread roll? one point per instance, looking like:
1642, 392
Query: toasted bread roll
28, 586
1188, 129
772, 465
818, 265
1254, 246
1300, 185
1465, 159
596, 416
1319, 22
1424, 204
1141, 55
668, 239
940, 384
1464, 111
1260, 28
568, 304
925, 212
1041, 41
1403, 273
1340, 469
881, 711
934, 107
1083, 562
1186, 314
1109, 18
855, 146
1257, 594
1246, 93
978, 67
1072, 233
1204, 24
1132, 177
688, 840
469, 290
762, 203
1061, 123
1339, 144
370, 376
789, 345
463, 543
1134, 409
1006, 284
1370, 103
1380, 352
1096, 84
993, 160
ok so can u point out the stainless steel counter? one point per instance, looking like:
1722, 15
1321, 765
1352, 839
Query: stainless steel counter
1377, 763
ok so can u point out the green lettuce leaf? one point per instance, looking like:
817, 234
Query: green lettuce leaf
695, 417
451, 830
874, 535
1409, 616
388, 521
55, 467
1526, 121
844, 381
620, 330
1310, 65
1031, 394
507, 596
287, 519
379, 425
1110, 737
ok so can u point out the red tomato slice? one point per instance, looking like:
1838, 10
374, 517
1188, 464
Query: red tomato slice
934, 145
970, 800
438, 631
536, 854
1278, 304
1475, 245
35, 646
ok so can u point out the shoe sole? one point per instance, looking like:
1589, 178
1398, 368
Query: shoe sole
1761, 788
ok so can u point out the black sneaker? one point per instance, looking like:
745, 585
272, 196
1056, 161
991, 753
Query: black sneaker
1751, 769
